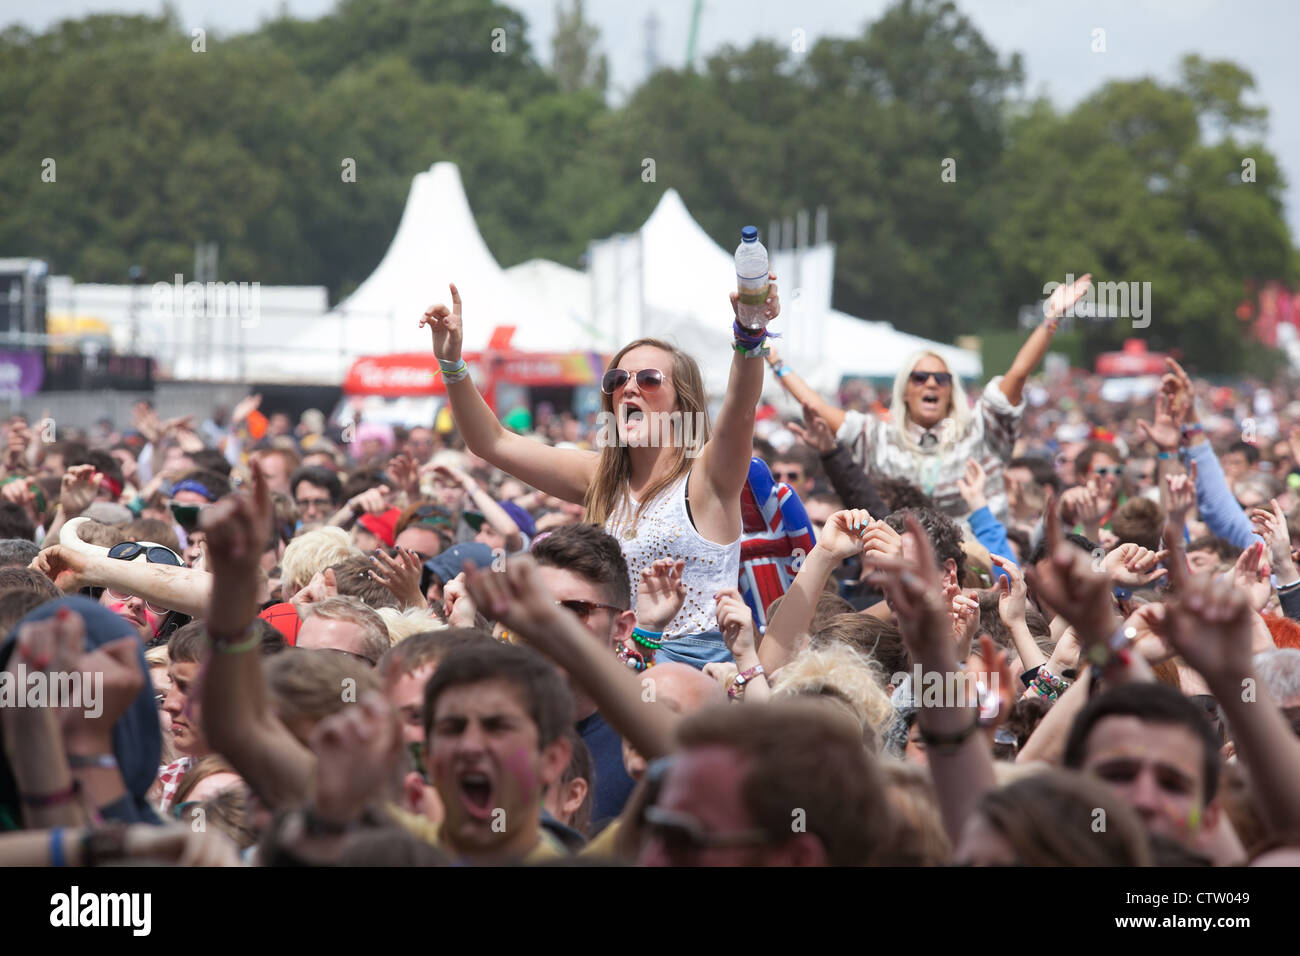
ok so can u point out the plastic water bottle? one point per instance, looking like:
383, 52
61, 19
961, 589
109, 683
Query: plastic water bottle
751, 279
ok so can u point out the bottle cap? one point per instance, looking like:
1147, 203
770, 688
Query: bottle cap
749, 234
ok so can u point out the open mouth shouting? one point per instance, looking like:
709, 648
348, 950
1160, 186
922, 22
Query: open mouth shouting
632, 419
476, 789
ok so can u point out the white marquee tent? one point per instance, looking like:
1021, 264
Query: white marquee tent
671, 280
437, 243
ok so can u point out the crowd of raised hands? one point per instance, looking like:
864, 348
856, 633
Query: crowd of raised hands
413, 660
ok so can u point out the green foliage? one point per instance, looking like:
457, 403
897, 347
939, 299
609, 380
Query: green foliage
158, 147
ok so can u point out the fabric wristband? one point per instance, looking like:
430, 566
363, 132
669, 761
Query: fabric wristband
56, 848
950, 743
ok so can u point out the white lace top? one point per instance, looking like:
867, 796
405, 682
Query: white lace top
666, 531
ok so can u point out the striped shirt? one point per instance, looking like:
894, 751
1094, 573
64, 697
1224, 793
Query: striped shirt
936, 465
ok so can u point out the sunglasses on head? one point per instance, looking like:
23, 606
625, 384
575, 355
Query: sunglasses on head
584, 609
647, 379
432, 516
940, 378
154, 554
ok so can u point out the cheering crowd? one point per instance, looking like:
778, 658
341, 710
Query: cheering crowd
1021, 626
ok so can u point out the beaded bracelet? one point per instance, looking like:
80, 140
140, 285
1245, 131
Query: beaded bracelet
649, 639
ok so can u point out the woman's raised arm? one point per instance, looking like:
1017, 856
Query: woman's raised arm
564, 473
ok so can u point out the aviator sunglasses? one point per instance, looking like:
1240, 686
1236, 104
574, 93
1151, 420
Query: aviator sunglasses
647, 379
940, 378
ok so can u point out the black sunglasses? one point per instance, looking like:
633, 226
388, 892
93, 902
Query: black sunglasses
648, 379
154, 554
584, 609
940, 378
683, 834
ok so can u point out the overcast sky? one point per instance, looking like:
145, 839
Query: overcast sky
1143, 37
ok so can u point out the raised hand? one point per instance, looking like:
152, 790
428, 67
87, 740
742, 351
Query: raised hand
1013, 593
1070, 585
844, 533
520, 601
358, 752
1082, 505
1065, 296
1180, 496
971, 485
457, 606
1270, 524
660, 594
400, 575
322, 586
119, 661
371, 501
1164, 433
79, 488
771, 309
237, 529
879, 541
817, 434
405, 475
20, 436
65, 567
247, 405
736, 623
1211, 626
1133, 566
965, 616
1250, 575
913, 588
446, 326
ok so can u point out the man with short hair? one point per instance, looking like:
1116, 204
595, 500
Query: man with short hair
495, 716
185, 652
785, 784
798, 467
1158, 751
584, 568
344, 624
17, 552
317, 492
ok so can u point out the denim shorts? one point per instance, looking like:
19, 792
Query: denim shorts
695, 649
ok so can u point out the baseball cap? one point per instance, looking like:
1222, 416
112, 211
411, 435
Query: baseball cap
383, 525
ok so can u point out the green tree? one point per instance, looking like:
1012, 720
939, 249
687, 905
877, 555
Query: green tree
573, 51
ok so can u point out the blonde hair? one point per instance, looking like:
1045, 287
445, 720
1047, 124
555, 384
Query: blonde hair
312, 552
608, 492
353, 611
840, 672
958, 408
413, 620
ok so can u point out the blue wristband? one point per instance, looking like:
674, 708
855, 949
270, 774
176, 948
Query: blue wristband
1164, 455
56, 848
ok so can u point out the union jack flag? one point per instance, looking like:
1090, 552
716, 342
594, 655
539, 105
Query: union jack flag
776, 539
